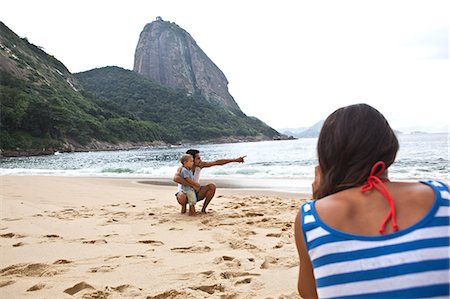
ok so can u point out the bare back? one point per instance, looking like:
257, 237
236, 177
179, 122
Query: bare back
358, 213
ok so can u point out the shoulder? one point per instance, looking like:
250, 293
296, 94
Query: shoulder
339, 204
412, 192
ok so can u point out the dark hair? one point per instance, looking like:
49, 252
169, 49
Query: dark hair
351, 141
192, 152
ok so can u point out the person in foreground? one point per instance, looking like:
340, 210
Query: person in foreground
366, 236
203, 192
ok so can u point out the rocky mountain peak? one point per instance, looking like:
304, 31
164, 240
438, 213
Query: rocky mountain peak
169, 55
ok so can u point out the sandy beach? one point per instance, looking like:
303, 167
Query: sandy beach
72, 237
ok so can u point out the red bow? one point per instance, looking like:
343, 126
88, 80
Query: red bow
374, 181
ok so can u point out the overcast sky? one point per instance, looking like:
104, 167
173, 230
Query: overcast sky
289, 63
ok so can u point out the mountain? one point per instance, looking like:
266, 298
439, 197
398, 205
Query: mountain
311, 132
169, 55
42, 104
415, 129
181, 117
44, 108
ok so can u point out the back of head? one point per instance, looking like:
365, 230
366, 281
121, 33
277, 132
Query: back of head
184, 158
192, 152
351, 141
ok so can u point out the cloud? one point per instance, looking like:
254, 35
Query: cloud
431, 44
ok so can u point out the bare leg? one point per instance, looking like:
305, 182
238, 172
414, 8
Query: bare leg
192, 210
182, 200
207, 192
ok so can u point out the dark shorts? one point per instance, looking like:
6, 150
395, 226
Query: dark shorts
196, 193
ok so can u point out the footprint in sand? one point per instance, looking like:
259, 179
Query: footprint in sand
287, 227
192, 249
35, 270
112, 220
241, 244
254, 214
8, 235
102, 241
11, 219
268, 262
175, 228
244, 232
244, 281
70, 214
274, 235
6, 283
98, 294
18, 244
36, 287
231, 274
278, 245
78, 287
111, 258
52, 236
151, 242
169, 294
110, 235
229, 261
12, 235
140, 256
207, 273
209, 289
61, 262
102, 269
122, 288
283, 262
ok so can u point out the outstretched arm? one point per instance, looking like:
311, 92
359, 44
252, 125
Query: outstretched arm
205, 164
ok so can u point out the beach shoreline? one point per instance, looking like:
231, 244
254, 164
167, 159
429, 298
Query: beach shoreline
81, 237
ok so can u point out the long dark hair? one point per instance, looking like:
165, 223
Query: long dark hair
351, 141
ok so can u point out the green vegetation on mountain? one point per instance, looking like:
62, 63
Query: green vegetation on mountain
181, 116
45, 108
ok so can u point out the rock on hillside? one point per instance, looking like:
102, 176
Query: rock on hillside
169, 55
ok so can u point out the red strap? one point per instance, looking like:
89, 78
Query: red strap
374, 181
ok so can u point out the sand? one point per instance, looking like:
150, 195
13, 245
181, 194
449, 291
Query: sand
67, 237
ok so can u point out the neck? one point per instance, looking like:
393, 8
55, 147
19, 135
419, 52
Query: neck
384, 176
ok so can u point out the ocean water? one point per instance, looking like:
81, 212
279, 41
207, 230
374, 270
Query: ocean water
421, 156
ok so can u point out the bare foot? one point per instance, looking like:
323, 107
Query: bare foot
192, 210
183, 209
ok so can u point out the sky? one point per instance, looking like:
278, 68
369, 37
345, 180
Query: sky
289, 63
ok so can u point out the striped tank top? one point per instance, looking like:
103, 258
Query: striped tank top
411, 263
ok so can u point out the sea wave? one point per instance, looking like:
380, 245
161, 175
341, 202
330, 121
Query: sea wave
420, 157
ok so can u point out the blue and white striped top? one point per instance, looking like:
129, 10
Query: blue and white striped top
411, 263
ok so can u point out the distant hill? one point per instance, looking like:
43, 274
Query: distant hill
44, 108
314, 131
416, 129
311, 132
